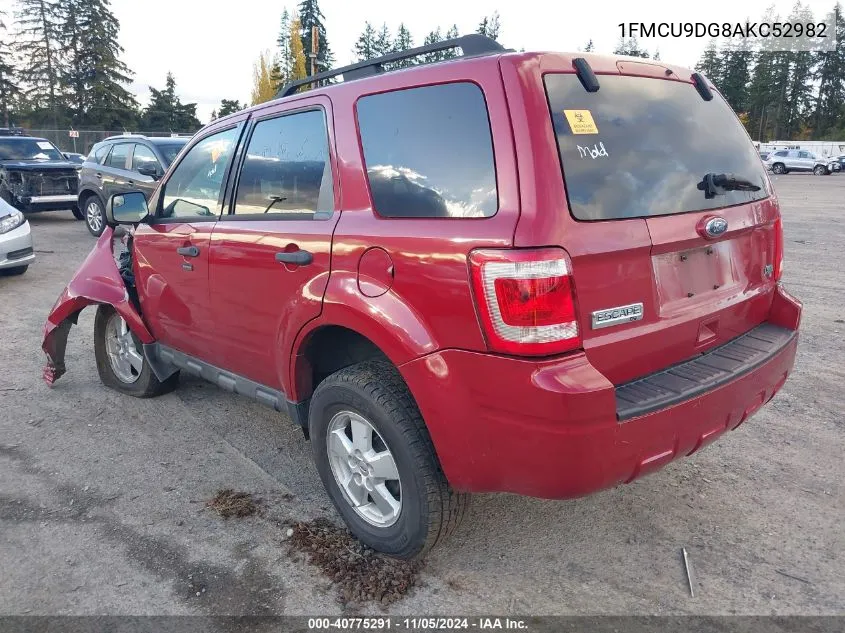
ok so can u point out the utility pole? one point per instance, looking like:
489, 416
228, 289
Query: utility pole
315, 47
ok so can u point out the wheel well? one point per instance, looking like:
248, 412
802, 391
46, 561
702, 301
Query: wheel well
85, 194
330, 349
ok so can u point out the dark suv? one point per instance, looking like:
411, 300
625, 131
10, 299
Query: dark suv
507, 272
119, 164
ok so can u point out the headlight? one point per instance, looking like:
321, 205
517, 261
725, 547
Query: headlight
11, 222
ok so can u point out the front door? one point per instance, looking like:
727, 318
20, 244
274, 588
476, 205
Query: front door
171, 251
270, 255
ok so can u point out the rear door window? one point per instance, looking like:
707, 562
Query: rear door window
119, 155
287, 169
429, 152
639, 147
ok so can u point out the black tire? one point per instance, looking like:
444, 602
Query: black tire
77, 212
87, 203
778, 168
146, 385
17, 270
430, 509
820, 170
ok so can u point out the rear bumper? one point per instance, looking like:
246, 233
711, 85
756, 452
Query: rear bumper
16, 247
551, 428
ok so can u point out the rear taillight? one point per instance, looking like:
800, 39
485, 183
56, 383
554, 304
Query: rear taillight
777, 264
526, 300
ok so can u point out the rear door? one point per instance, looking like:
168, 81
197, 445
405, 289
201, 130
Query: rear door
270, 256
653, 286
116, 169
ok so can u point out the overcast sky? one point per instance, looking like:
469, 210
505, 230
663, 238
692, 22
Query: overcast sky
210, 47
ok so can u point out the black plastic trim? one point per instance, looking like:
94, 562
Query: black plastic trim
701, 374
165, 361
702, 87
585, 74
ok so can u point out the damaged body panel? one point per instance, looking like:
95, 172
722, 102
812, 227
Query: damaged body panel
98, 281
35, 176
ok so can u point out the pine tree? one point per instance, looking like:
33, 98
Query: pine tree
589, 47
365, 47
9, 88
166, 113
38, 28
451, 34
92, 76
828, 117
310, 16
799, 92
383, 42
630, 47
282, 65
229, 106
433, 38
404, 40
734, 61
709, 63
489, 26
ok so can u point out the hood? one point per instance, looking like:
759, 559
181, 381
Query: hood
6, 209
37, 165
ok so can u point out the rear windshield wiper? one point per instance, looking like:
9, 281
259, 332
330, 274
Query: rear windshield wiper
717, 184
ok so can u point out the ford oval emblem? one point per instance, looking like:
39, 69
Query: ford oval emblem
715, 227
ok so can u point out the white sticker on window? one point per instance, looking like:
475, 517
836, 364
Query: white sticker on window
45, 145
596, 151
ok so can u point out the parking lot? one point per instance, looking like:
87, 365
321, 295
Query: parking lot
103, 497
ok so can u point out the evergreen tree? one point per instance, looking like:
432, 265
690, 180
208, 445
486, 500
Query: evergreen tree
799, 92
432, 38
38, 28
214, 116
9, 88
709, 63
630, 47
490, 26
229, 106
365, 48
404, 40
828, 117
92, 75
166, 113
734, 61
282, 65
589, 47
310, 16
383, 42
451, 34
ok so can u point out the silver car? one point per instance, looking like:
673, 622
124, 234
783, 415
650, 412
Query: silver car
16, 252
787, 160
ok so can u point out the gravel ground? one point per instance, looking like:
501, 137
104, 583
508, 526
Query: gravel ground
104, 499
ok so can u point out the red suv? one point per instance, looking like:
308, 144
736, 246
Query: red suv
528, 272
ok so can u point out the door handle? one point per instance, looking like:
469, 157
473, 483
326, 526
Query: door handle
299, 258
188, 251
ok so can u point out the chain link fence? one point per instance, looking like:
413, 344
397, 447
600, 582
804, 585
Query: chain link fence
82, 140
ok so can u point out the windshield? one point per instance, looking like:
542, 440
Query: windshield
169, 151
639, 147
28, 149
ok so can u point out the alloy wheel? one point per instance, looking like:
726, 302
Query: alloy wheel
125, 359
94, 216
364, 469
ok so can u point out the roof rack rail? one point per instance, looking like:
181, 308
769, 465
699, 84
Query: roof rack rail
471, 45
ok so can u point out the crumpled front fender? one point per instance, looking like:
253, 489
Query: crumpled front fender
97, 281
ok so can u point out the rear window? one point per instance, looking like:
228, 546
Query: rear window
429, 152
639, 147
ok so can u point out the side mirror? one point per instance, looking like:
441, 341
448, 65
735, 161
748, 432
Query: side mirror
127, 208
149, 170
